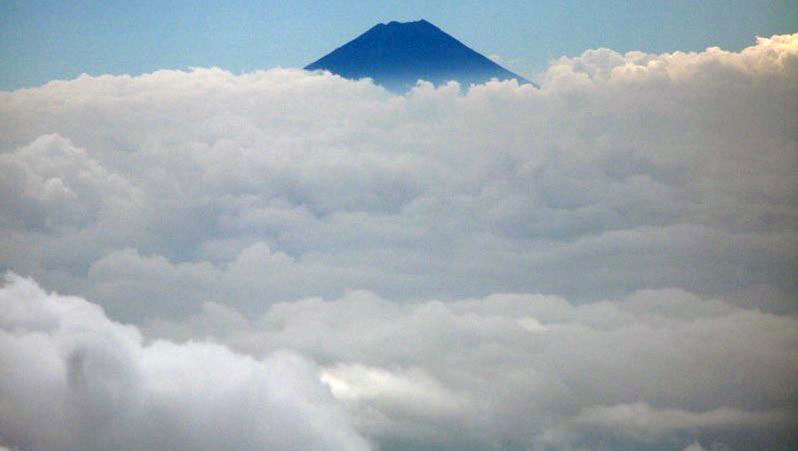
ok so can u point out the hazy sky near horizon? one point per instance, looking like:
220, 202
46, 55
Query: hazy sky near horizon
46, 40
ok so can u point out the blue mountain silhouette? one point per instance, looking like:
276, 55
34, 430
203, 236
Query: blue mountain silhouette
397, 55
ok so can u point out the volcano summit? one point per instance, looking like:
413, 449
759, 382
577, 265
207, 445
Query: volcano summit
397, 55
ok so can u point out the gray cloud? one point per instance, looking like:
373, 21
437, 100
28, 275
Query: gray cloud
506, 371
641, 420
73, 379
642, 205
658, 368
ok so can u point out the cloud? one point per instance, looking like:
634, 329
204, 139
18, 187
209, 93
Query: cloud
527, 371
641, 420
673, 170
641, 207
73, 379
695, 446
520, 371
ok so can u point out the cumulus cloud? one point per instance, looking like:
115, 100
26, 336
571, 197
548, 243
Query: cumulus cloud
74, 379
624, 171
529, 371
642, 206
505, 371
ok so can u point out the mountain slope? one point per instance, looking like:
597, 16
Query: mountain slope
396, 55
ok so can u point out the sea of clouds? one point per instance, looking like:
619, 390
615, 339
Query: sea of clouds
290, 260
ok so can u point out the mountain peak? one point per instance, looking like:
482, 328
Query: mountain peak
420, 22
398, 54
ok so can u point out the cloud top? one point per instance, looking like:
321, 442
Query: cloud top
284, 258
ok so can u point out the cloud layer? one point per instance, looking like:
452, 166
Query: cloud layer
643, 205
73, 379
658, 369
623, 172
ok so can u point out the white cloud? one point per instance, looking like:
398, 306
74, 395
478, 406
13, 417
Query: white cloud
695, 446
520, 371
73, 379
355, 382
531, 370
673, 170
53, 184
648, 200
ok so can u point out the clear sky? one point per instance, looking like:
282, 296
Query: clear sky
45, 40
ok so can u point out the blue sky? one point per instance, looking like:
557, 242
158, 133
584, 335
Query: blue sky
45, 40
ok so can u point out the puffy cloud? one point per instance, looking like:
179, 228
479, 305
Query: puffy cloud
647, 202
624, 171
73, 379
510, 371
659, 368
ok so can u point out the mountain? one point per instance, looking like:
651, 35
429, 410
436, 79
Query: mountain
397, 55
